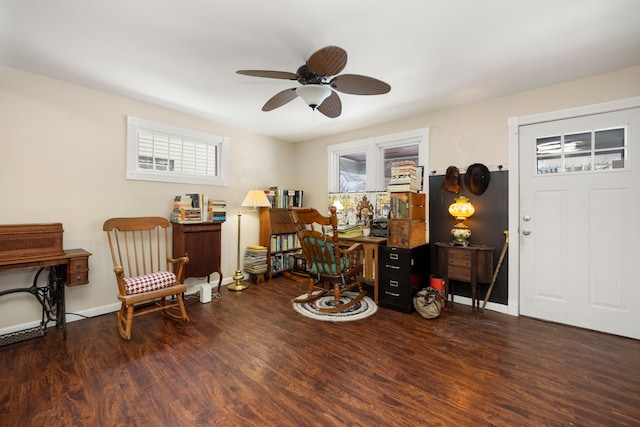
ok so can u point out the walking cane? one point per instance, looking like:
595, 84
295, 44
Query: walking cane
497, 270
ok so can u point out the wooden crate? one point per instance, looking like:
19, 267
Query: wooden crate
30, 240
406, 233
408, 205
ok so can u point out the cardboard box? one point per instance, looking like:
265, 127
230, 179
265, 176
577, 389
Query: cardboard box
30, 240
406, 233
408, 205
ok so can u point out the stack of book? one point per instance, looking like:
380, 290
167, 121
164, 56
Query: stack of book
255, 260
196, 207
217, 210
186, 209
347, 231
405, 176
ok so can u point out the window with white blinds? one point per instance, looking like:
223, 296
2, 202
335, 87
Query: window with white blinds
159, 152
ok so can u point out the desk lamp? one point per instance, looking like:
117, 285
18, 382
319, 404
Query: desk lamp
461, 210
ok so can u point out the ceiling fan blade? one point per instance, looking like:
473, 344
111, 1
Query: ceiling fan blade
356, 84
269, 74
328, 61
332, 106
279, 99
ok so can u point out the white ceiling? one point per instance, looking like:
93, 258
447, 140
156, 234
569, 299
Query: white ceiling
183, 54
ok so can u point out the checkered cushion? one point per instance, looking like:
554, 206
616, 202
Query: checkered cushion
149, 282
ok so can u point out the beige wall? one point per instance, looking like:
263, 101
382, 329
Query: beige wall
63, 160
473, 133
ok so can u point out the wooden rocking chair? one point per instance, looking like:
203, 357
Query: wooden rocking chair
327, 261
145, 272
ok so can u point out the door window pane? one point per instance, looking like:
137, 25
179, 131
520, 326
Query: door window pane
594, 150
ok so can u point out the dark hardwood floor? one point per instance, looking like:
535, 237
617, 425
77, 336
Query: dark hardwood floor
250, 360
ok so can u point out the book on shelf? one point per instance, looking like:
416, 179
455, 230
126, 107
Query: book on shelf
218, 215
218, 204
280, 198
284, 242
406, 177
282, 261
197, 207
398, 188
217, 209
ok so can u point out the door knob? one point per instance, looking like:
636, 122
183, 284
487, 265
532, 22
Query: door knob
526, 218
526, 231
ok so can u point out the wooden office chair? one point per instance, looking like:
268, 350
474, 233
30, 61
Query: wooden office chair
145, 272
327, 261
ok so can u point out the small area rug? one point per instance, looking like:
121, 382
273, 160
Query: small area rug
365, 308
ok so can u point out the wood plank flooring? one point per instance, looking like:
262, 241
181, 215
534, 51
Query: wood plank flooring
250, 360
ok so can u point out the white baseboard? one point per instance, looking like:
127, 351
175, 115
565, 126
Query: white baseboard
492, 306
192, 289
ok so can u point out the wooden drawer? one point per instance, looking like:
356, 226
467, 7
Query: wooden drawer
78, 271
459, 273
461, 262
202, 227
460, 254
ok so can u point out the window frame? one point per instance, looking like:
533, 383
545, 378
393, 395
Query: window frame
135, 125
374, 149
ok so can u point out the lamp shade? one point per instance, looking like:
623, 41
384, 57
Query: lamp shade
461, 209
255, 199
313, 94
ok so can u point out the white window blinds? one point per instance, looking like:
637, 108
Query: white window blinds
159, 152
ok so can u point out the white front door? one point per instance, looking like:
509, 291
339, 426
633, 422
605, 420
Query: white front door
579, 216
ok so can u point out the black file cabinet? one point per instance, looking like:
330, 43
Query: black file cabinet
403, 271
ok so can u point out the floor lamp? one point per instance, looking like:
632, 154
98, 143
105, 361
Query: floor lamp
254, 199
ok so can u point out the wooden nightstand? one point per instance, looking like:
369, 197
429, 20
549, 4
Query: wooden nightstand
201, 243
469, 264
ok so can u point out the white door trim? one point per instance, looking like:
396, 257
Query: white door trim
514, 123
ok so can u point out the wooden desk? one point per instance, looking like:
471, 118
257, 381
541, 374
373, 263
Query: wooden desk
70, 268
471, 264
370, 245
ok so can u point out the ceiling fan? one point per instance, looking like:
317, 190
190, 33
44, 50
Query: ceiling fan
315, 78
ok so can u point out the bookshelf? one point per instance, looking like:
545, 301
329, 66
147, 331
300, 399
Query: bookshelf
278, 235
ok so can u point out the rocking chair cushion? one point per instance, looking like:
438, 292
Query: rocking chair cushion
327, 266
149, 282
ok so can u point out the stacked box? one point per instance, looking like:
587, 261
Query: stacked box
407, 233
407, 220
407, 205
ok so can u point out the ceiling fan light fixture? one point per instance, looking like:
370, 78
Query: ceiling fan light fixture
313, 94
